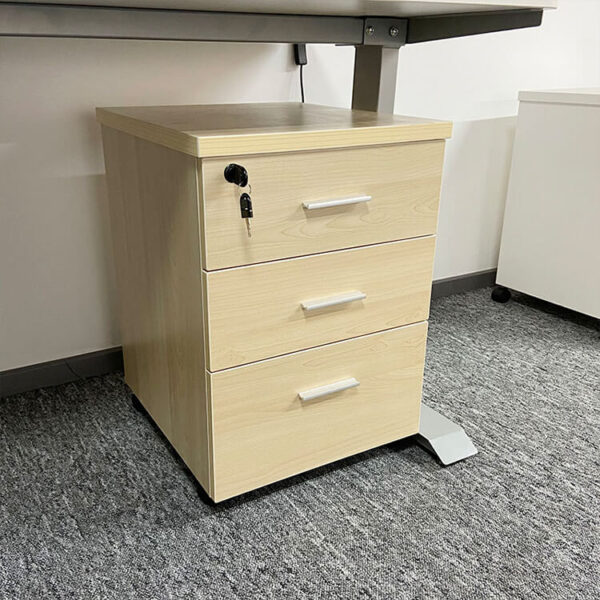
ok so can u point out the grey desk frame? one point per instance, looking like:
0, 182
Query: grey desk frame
377, 41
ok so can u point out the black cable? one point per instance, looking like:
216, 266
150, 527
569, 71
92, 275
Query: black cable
302, 82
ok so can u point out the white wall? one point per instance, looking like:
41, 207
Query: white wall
57, 291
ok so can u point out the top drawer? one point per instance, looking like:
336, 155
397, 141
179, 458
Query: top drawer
401, 181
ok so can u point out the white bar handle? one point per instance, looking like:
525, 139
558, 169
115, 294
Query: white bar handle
336, 202
325, 390
309, 305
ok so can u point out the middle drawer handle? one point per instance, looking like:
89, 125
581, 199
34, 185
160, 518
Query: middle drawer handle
309, 305
325, 390
336, 202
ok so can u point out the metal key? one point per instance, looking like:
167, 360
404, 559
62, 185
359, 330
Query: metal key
246, 210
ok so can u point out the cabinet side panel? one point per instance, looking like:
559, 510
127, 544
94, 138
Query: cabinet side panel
154, 220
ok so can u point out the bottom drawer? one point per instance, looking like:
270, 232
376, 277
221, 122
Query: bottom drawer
282, 416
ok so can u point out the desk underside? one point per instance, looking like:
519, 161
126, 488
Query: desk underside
388, 8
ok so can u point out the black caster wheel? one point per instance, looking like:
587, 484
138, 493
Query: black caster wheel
137, 404
501, 294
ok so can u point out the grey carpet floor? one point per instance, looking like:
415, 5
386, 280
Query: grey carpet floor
93, 503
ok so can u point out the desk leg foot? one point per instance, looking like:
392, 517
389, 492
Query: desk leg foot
447, 440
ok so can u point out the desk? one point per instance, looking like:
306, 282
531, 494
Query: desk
377, 29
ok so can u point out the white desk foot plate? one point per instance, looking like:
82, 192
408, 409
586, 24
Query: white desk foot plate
447, 440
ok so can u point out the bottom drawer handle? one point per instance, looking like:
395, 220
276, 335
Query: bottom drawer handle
309, 305
332, 388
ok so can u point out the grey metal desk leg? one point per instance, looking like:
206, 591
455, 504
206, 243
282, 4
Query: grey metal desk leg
447, 440
375, 70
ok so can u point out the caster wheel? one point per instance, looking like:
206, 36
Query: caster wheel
137, 404
501, 294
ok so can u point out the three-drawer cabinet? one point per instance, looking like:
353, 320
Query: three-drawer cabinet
275, 320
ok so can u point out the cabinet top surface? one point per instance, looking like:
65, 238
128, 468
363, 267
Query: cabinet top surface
225, 129
389, 8
588, 96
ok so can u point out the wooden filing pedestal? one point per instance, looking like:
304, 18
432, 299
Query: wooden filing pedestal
261, 357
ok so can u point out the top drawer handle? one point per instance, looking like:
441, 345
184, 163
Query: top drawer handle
338, 202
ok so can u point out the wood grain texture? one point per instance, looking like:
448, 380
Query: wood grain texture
264, 432
154, 220
237, 129
255, 312
403, 181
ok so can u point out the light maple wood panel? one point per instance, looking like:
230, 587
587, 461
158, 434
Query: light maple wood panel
255, 312
235, 129
154, 221
403, 182
265, 432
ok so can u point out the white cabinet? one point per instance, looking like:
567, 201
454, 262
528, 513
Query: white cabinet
551, 237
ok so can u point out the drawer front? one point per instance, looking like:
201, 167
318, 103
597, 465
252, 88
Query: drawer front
387, 193
265, 310
264, 431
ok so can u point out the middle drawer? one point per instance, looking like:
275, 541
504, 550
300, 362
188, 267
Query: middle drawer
265, 310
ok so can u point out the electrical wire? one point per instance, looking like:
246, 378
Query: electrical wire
302, 82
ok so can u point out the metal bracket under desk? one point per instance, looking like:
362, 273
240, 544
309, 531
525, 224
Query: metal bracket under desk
26, 19
376, 60
377, 40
